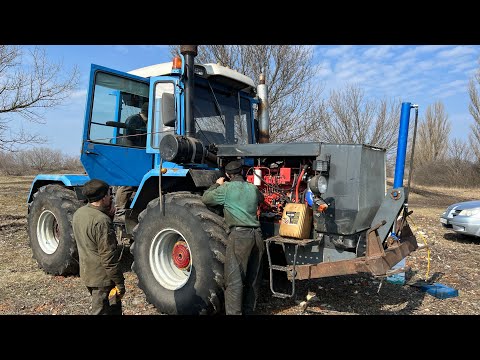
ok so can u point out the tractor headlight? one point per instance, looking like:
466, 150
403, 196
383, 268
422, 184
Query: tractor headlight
318, 184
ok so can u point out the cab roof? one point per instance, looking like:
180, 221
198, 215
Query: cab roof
211, 70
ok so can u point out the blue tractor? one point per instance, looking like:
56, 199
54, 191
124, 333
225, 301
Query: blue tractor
326, 212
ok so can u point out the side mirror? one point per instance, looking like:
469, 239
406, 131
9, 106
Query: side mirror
168, 109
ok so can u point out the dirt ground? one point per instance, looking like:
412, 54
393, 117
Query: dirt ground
454, 261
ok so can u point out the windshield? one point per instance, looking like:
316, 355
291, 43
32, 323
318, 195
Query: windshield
221, 117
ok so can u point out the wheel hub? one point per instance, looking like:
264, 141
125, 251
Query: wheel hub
56, 230
170, 259
181, 255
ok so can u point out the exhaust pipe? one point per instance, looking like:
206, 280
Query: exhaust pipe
189, 52
264, 120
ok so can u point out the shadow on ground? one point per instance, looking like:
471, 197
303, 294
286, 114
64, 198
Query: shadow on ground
460, 238
126, 260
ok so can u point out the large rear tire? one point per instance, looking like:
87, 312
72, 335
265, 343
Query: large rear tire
179, 257
50, 229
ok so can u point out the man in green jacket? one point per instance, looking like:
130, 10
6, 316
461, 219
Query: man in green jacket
245, 246
97, 249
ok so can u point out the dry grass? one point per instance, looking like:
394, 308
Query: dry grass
26, 289
455, 259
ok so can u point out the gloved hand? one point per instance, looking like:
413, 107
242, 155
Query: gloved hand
117, 292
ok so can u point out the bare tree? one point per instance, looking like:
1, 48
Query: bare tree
43, 159
474, 108
35, 160
349, 117
72, 163
289, 74
9, 164
29, 85
459, 167
459, 150
433, 134
455, 169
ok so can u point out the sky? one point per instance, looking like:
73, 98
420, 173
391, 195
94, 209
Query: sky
417, 74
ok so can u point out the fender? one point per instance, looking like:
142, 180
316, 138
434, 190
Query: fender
69, 180
199, 177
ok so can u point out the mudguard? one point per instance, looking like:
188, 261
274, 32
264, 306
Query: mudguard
69, 180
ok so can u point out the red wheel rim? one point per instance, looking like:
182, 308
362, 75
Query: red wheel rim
181, 255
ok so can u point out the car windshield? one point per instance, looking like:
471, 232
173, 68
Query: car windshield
221, 117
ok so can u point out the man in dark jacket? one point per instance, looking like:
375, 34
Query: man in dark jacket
137, 127
245, 246
97, 249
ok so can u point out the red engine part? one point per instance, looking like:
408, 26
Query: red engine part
283, 177
276, 188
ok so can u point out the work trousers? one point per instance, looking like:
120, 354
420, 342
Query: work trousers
100, 303
242, 270
122, 197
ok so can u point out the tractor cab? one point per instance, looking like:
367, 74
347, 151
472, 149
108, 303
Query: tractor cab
121, 153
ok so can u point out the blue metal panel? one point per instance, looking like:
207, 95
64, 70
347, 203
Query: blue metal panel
66, 179
180, 99
151, 102
402, 145
117, 115
116, 165
157, 161
173, 170
249, 161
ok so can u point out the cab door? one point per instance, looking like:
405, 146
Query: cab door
108, 152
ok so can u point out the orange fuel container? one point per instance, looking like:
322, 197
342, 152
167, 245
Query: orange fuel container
296, 221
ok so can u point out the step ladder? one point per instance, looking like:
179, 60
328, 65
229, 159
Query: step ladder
289, 269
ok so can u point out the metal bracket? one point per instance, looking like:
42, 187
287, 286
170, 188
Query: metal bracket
290, 270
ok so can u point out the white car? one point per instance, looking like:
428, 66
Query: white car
463, 217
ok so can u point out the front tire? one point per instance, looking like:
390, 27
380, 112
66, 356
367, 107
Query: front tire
179, 257
50, 229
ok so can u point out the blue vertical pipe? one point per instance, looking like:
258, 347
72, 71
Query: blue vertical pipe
118, 114
402, 145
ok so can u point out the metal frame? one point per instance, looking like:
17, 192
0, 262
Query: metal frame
377, 260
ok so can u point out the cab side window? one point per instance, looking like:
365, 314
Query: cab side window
115, 100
